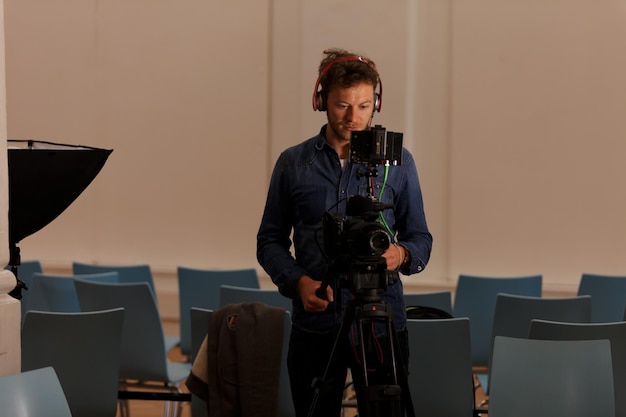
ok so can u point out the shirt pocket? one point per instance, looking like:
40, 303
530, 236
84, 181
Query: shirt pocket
310, 203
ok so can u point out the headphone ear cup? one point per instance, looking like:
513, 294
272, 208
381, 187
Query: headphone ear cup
377, 102
321, 102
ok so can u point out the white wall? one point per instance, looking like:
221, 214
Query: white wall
512, 110
179, 91
537, 133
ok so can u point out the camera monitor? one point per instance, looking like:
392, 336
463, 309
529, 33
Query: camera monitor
376, 146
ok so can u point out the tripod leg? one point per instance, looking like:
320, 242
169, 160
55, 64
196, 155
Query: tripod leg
403, 379
320, 384
378, 393
380, 376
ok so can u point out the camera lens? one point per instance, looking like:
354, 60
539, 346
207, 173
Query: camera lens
367, 239
378, 241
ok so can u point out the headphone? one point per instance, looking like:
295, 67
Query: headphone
318, 95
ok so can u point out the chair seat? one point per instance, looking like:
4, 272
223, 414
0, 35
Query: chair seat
178, 371
171, 342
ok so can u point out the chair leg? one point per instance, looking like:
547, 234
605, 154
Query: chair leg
124, 408
179, 409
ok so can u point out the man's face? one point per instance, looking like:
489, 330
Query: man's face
349, 109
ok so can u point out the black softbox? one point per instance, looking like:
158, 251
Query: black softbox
44, 179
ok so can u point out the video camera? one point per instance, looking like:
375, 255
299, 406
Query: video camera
356, 242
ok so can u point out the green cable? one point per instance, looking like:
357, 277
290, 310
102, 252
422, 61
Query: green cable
380, 198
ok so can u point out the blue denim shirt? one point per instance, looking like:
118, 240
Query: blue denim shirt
308, 181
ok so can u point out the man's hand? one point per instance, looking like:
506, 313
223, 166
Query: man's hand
394, 255
306, 287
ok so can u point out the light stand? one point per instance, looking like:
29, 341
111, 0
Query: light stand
44, 179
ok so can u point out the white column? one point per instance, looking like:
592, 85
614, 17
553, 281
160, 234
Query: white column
10, 349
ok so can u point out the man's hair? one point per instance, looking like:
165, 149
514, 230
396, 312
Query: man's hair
334, 70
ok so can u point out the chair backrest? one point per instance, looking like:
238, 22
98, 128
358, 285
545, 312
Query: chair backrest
199, 318
143, 347
615, 332
608, 296
475, 298
32, 394
513, 314
50, 292
548, 378
201, 288
440, 367
84, 350
232, 295
126, 273
441, 300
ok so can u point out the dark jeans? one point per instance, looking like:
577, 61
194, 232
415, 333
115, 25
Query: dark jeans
308, 359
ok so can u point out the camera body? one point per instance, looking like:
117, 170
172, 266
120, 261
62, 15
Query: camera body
355, 246
356, 242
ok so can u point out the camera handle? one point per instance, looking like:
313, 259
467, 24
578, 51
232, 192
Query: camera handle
381, 399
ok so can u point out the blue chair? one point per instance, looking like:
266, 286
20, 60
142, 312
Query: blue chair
608, 296
440, 367
127, 274
615, 332
144, 360
475, 298
32, 394
232, 295
51, 292
84, 350
201, 288
551, 378
514, 313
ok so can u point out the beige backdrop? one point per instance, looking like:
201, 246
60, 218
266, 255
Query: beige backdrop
513, 110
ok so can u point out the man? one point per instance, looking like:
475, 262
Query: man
310, 179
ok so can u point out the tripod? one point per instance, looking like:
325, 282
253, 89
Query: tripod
387, 394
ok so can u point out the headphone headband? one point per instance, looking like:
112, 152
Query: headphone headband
318, 96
